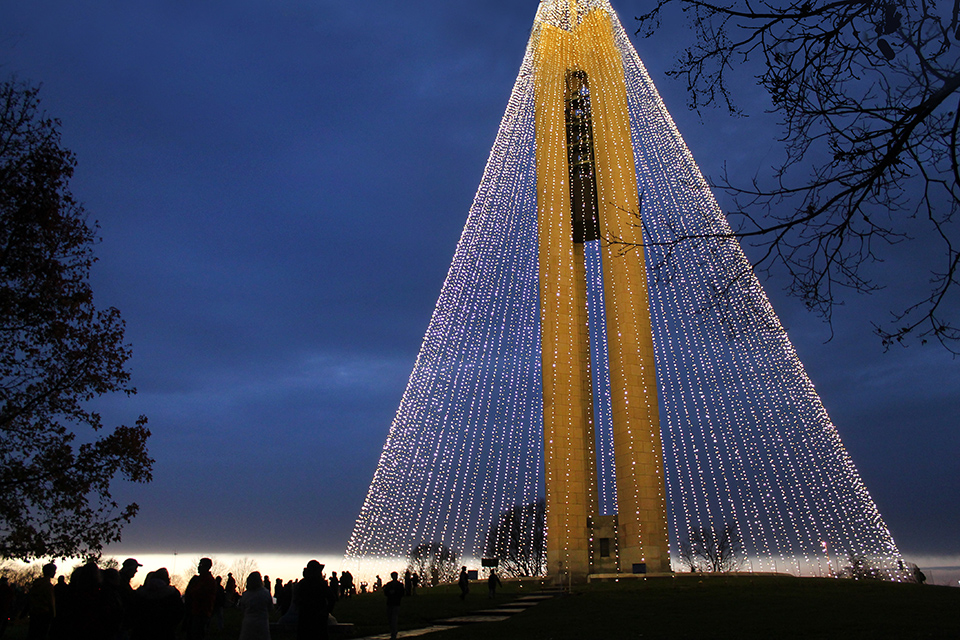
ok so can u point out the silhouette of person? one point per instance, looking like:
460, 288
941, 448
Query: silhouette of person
219, 603
43, 607
414, 583
111, 603
231, 590
127, 571
157, 608
312, 598
464, 583
394, 591
256, 603
86, 611
334, 589
200, 598
493, 582
284, 595
346, 584
407, 586
377, 584
61, 595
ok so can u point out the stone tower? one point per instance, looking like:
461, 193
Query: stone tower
587, 191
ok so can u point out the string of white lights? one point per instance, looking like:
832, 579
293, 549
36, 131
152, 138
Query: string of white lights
746, 440
735, 396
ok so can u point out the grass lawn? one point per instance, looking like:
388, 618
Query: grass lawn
735, 607
369, 612
768, 607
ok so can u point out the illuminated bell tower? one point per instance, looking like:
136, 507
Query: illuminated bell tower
586, 190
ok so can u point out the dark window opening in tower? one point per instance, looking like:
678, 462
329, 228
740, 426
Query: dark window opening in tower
604, 547
583, 179
586, 232
600, 371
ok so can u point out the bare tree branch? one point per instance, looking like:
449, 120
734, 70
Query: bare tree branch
866, 92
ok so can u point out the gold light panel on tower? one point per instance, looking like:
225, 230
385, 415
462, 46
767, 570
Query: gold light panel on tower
585, 159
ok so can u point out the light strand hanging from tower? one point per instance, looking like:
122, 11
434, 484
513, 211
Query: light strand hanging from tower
746, 440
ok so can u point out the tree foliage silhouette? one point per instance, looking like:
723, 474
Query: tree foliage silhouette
518, 540
712, 549
434, 563
58, 353
861, 567
867, 95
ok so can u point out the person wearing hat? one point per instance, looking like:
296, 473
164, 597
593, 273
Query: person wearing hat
312, 597
127, 597
127, 570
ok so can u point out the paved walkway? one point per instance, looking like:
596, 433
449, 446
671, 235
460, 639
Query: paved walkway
501, 612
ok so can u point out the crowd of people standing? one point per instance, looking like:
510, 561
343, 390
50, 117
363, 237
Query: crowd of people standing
102, 603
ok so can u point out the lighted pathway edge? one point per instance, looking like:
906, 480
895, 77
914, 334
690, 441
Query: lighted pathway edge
500, 613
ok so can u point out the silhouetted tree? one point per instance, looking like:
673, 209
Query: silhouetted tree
241, 568
20, 575
860, 567
518, 540
867, 94
434, 563
709, 550
57, 353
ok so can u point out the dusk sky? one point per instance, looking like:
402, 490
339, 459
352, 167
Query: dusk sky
280, 188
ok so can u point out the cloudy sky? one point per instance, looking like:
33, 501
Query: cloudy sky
280, 188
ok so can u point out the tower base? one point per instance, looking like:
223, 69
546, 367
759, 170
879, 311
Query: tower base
606, 559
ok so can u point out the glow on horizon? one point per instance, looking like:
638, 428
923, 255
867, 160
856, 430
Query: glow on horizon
940, 569
287, 566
